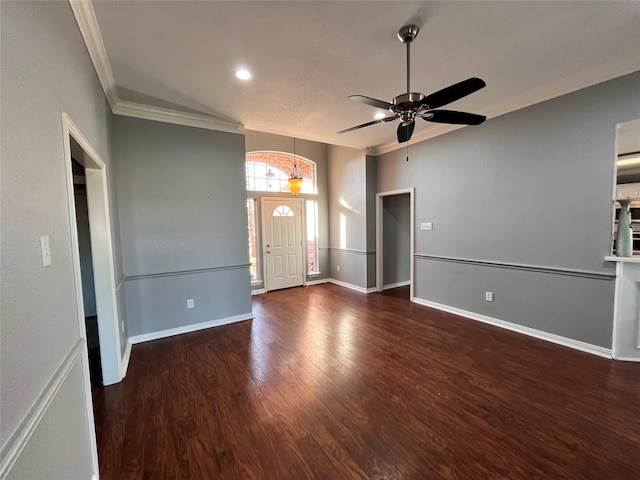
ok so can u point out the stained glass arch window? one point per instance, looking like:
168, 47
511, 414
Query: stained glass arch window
270, 172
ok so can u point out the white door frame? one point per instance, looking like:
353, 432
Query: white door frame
379, 236
303, 235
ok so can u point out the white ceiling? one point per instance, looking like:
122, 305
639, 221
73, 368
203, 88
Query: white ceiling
307, 57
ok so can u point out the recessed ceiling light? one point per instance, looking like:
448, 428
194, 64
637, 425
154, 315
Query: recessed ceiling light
244, 74
379, 115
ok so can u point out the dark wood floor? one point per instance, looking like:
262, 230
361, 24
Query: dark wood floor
328, 383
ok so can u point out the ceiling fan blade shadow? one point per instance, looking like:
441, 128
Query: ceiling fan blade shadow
371, 101
453, 92
453, 117
405, 132
387, 119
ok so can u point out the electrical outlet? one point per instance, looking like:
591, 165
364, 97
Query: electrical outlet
338, 267
190, 303
488, 296
426, 226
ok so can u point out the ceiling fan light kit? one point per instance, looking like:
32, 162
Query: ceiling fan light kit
411, 105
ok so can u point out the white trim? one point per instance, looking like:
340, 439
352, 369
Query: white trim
90, 31
166, 115
526, 99
352, 286
616, 312
125, 359
612, 258
627, 359
532, 332
96, 476
16, 443
85, 17
147, 337
258, 291
396, 285
101, 248
309, 283
380, 237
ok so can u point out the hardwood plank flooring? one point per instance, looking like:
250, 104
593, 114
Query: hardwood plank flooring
327, 383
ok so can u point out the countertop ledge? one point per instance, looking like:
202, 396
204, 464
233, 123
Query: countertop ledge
613, 258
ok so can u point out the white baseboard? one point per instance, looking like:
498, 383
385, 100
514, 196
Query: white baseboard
258, 291
532, 332
124, 365
396, 285
316, 282
147, 337
17, 441
627, 359
352, 287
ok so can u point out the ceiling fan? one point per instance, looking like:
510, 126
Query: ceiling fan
410, 105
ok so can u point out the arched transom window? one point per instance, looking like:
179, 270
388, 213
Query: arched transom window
270, 172
282, 211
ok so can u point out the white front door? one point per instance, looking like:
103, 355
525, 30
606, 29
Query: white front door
282, 242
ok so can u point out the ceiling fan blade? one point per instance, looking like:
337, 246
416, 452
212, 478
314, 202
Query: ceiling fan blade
453, 93
360, 126
405, 132
387, 119
371, 101
450, 116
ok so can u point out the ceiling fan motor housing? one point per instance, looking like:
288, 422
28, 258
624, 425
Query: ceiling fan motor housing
406, 101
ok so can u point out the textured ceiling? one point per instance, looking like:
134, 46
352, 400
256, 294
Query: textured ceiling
308, 56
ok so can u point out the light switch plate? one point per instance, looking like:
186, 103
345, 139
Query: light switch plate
45, 251
426, 226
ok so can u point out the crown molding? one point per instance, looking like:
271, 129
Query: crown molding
526, 99
166, 115
88, 25
90, 30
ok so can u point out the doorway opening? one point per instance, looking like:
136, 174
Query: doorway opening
395, 240
99, 263
86, 272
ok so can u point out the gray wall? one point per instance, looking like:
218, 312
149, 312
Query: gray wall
531, 188
316, 152
45, 71
396, 238
182, 202
348, 199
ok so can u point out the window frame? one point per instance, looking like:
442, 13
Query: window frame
249, 180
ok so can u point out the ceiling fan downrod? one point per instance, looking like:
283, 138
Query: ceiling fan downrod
406, 35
